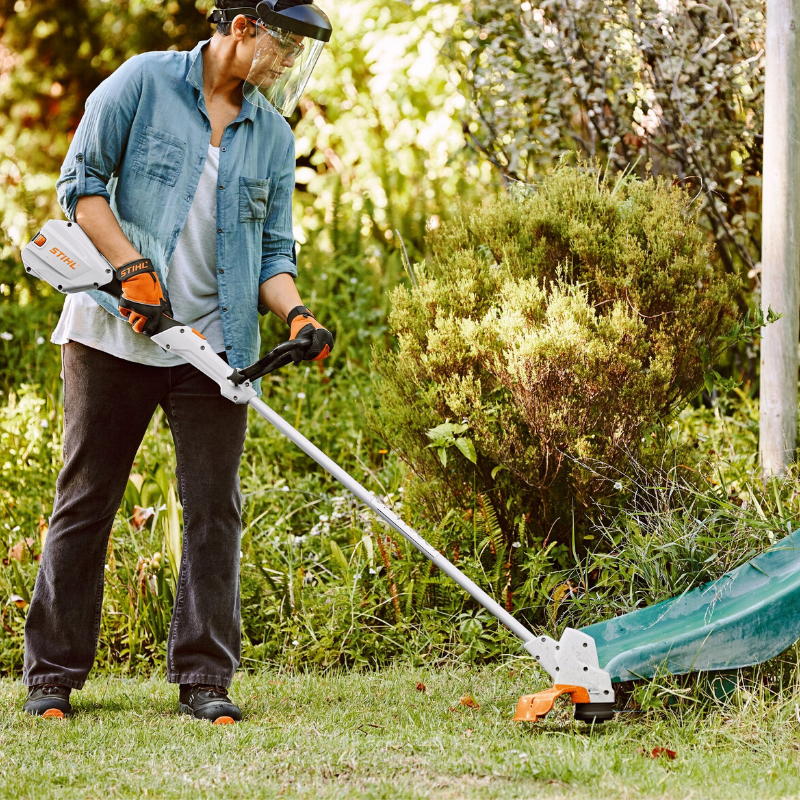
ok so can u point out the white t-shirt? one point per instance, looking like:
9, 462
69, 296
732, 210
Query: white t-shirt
191, 288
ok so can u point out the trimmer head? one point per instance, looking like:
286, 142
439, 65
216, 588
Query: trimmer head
532, 707
573, 659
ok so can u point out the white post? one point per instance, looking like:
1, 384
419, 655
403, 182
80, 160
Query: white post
780, 222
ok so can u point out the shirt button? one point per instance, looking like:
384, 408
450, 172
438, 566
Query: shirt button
219, 230
221, 188
224, 309
221, 271
228, 347
223, 149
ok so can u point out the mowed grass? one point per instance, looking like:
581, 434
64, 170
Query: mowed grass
377, 735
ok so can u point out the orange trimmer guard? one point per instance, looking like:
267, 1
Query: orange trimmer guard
533, 706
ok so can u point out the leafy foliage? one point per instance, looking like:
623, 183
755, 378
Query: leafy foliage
676, 85
378, 139
378, 142
557, 327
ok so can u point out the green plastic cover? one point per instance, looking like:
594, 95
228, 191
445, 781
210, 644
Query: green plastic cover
745, 617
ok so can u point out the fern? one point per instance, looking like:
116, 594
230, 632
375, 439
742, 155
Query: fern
490, 525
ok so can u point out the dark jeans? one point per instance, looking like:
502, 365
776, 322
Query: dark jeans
108, 404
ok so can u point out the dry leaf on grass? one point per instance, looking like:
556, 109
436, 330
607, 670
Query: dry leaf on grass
21, 550
14, 600
469, 701
657, 752
140, 516
467, 733
421, 687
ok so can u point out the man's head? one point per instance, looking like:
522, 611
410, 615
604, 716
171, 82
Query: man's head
273, 45
257, 54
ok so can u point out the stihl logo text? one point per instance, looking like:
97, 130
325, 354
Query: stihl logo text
124, 274
64, 257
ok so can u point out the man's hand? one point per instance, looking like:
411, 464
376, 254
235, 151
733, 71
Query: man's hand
302, 323
142, 302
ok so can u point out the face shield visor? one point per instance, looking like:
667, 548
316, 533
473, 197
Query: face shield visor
288, 44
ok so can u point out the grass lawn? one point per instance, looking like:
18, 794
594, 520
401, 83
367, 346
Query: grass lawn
378, 736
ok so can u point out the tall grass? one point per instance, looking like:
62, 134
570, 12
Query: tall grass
699, 513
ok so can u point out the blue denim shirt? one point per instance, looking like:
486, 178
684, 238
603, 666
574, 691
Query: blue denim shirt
142, 144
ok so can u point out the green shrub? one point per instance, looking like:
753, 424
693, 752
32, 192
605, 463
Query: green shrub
544, 337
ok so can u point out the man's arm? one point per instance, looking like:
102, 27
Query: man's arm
142, 302
93, 157
98, 222
278, 294
277, 240
101, 138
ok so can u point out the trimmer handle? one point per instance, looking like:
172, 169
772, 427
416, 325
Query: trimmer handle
280, 356
285, 353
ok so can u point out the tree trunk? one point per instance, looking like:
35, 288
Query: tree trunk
780, 259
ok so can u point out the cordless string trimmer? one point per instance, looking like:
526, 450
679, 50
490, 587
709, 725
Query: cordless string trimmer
64, 256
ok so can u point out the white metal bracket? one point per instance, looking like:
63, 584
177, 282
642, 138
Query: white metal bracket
573, 661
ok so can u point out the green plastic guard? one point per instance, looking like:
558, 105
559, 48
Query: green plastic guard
745, 617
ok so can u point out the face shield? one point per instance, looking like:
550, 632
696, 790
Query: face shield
288, 44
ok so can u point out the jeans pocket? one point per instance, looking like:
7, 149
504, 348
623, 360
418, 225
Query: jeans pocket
159, 155
253, 199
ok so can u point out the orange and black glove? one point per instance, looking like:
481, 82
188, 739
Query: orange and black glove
302, 323
142, 301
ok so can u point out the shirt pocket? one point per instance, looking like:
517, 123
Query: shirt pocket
159, 155
253, 199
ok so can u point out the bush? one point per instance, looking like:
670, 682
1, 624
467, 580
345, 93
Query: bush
546, 335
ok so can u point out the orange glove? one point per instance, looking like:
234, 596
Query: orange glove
142, 302
302, 323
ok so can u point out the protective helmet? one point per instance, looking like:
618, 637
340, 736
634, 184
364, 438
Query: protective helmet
289, 40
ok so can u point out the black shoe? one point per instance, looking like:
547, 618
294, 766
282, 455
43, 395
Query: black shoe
208, 702
48, 700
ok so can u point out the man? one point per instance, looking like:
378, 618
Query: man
181, 172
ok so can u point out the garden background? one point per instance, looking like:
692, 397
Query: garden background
432, 138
